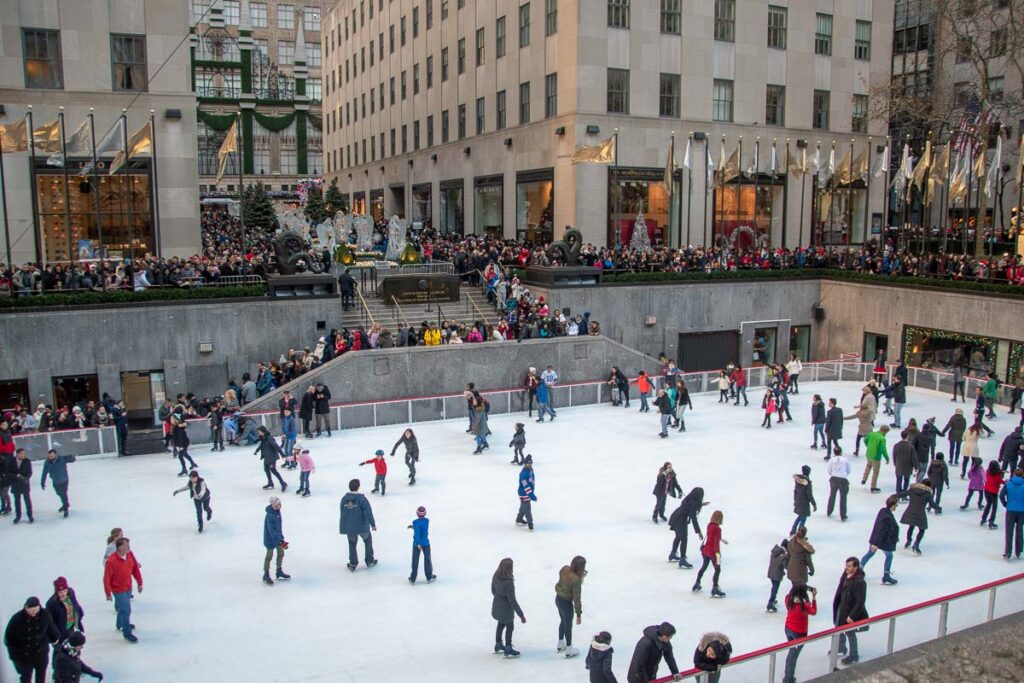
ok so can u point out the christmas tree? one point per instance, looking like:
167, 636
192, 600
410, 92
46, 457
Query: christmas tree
315, 210
640, 241
334, 199
257, 210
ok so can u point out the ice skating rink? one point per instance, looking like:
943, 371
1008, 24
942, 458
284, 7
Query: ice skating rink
206, 616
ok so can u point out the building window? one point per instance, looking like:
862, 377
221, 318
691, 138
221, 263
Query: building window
391, 90
775, 105
415, 79
618, 91
415, 136
289, 151
404, 90
444, 64
286, 16
394, 146
391, 39
668, 103
823, 35
725, 21
430, 20
405, 138
43, 67
462, 121
311, 19
722, 101
524, 103
479, 46
445, 132
460, 56
778, 19
128, 61
444, 9
258, 12
200, 8
430, 72
819, 118
480, 104
314, 91
380, 47
415, 28
862, 43
550, 17
859, 119
313, 56
401, 31
963, 50
499, 37
996, 86
232, 12
499, 110
997, 43
671, 16
524, 25
430, 130
618, 13
381, 91
286, 52
962, 93
551, 95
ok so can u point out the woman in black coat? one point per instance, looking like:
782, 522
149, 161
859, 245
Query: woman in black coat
885, 534
618, 381
412, 452
505, 607
682, 517
179, 437
665, 486
916, 514
833, 426
849, 605
63, 598
306, 406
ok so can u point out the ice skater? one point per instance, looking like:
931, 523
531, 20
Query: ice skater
216, 421
778, 560
664, 405
679, 522
505, 607
356, 521
56, 467
269, 451
568, 598
712, 653
306, 468
955, 428
885, 534
803, 498
683, 402
665, 486
848, 606
916, 515
273, 541
599, 659
739, 379
724, 385
975, 483
938, 474
199, 492
380, 467
544, 402
19, 473
800, 565
64, 608
480, 429
527, 493
28, 636
655, 644
833, 426
118, 571
993, 483
711, 550
1012, 498
768, 405
289, 430
619, 384
179, 437
818, 421
68, 666
518, 443
421, 545
412, 453
643, 386
798, 608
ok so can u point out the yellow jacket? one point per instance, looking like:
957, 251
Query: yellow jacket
432, 337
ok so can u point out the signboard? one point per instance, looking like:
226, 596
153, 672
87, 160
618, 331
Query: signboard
421, 288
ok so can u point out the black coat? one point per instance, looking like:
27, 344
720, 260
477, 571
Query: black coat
667, 484
59, 613
885, 534
899, 392
322, 404
268, 449
938, 473
834, 423
179, 435
850, 599
916, 513
817, 413
803, 496
722, 648
687, 511
19, 475
1009, 450
412, 447
903, 458
28, 638
647, 655
504, 606
306, 406
68, 668
599, 663
955, 428
664, 404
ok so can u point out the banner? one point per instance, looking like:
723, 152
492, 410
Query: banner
139, 144
14, 136
46, 138
78, 145
603, 153
229, 145
670, 166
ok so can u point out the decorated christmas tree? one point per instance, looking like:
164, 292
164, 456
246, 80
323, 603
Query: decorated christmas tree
334, 199
258, 211
640, 241
315, 210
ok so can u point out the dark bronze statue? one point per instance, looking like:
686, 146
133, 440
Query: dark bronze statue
567, 250
290, 253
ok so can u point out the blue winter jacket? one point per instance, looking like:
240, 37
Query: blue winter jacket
288, 427
527, 483
542, 393
273, 535
1012, 495
356, 514
420, 529
56, 469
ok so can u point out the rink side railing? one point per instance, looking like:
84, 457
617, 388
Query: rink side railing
847, 368
767, 661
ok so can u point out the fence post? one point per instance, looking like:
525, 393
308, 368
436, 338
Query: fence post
991, 604
833, 653
409, 405
99, 434
570, 397
771, 667
943, 619
337, 410
936, 381
891, 643
444, 408
509, 401
599, 393
374, 414
703, 383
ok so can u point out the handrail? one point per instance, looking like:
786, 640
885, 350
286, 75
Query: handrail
835, 631
483, 317
366, 309
400, 311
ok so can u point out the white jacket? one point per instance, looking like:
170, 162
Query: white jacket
794, 366
838, 466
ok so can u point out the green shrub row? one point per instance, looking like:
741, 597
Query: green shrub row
125, 297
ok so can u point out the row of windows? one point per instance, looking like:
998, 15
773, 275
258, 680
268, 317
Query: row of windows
44, 64
285, 17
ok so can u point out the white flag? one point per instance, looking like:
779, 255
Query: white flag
882, 165
709, 180
78, 145
775, 159
686, 157
755, 163
994, 168
113, 141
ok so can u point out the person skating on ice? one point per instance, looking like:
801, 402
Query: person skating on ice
269, 451
215, 418
768, 406
19, 473
739, 379
904, 458
683, 402
505, 607
199, 492
679, 522
664, 486
599, 659
712, 553
664, 405
1010, 450
273, 541
954, 430
65, 611
849, 605
838, 470
643, 387
975, 482
799, 606
782, 404
818, 421
876, 450
118, 571
7, 448
724, 384
531, 383
568, 598
544, 402
27, 637
518, 443
938, 474
619, 384
803, 498
56, 468
712, 653
421, 545
289, 429
971, 438
306, 468
179, 437
68, 666
653, 646
480, 428
993, 483
527, 493
778, 560
380, 468
355, 522
1012, 498
833, 426
885, 534
916, 515
412, 453
800, 565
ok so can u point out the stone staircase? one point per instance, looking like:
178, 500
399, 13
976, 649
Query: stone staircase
471, 306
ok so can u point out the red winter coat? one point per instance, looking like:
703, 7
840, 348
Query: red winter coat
993, 482
118, 573
739, 377
797, 613
712, 539
380, 465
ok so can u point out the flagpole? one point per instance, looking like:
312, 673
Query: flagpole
707, 162
944, 204
885, 192
739, 190
3, 202
903, 207
671, 187
689, 188
815, 197
995, 208
96, 190
832, 191
128, 178
618, 190
867, 193
967, 199
849, 204
32, 181
926, 200
241, 182
72, 252
155, 198
757, 173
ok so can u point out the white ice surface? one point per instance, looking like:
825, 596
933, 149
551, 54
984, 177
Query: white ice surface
205, 615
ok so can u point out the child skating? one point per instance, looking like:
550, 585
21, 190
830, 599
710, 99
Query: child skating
518, 443
306, 468
200, 495
380, 466
768, 404
975, 483
421, 544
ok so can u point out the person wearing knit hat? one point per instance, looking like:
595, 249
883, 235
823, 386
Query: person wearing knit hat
64, 609
803, 498
421, 544
28, 636
68, 666
273, 541
380, 466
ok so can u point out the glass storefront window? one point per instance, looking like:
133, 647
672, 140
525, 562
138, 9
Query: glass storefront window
764, 345
535, 210
98, 215
377, 206
635, 192
835, 210
422, 206
452, 208
747, 213
488, 202
800, 341
943, 350
358, 203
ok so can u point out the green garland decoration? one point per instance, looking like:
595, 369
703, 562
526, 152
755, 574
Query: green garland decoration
274, 124
315, 121
973, 339
218, 122
1016, 359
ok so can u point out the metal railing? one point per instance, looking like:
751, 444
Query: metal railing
968, 617
399, 313
91, 441
365, 311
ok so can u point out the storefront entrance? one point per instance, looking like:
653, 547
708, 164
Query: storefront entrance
143, 394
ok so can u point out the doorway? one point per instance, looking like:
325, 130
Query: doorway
75, 390
143, 394
708, 350
875, 344
764, 346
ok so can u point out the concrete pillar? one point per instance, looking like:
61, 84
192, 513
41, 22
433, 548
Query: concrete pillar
670, 342
40, 386
109, 377
782, 332
747, 345
237, 366
174, 378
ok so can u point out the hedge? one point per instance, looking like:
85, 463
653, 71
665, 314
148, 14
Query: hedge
126, 297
